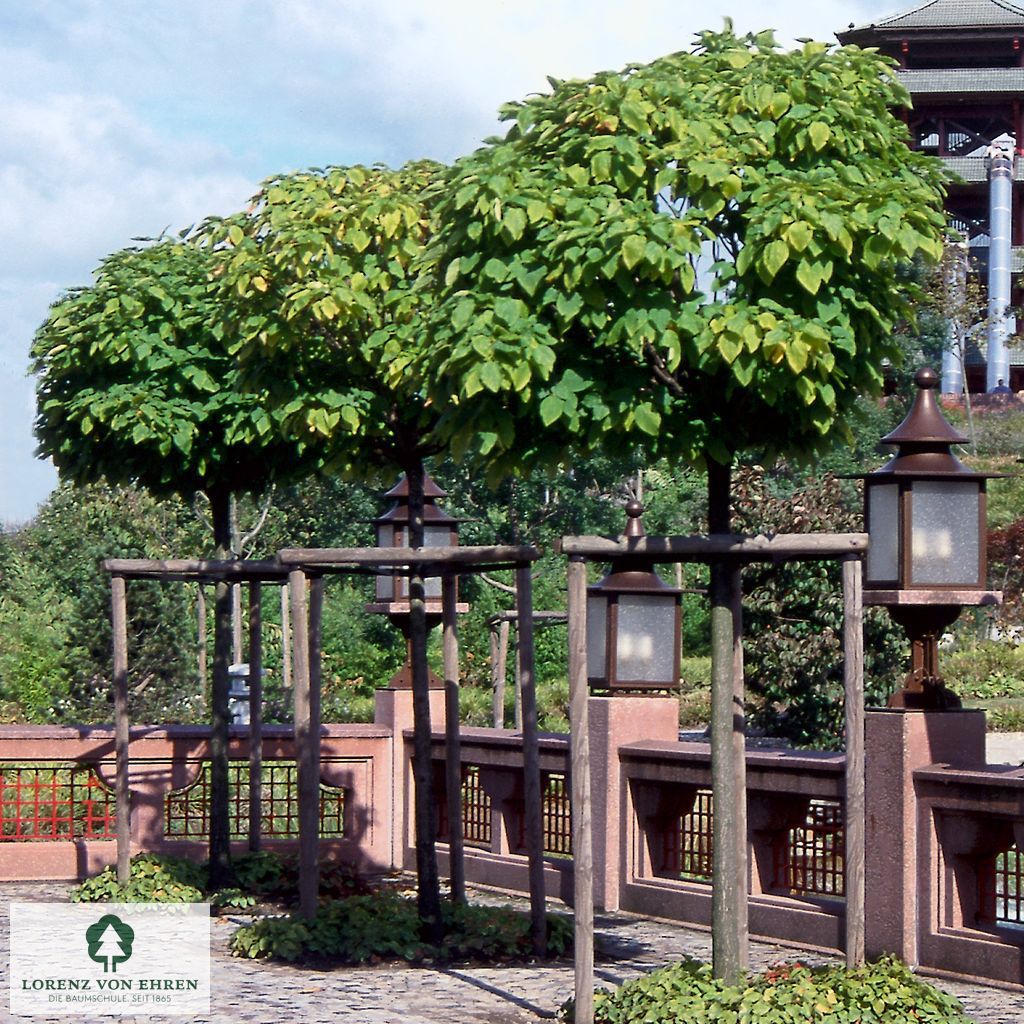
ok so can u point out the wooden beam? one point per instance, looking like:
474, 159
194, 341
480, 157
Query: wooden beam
579, 747
191, 568
477, 558
308, 777
718, 546
531, 761
255, 714
453, 750
853, 684
499, 661
119, 625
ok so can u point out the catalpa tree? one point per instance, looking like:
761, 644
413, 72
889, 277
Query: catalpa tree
329, 265
695, 255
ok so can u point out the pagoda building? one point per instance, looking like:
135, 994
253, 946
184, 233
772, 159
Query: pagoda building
962, 62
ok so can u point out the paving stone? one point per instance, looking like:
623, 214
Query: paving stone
257, 992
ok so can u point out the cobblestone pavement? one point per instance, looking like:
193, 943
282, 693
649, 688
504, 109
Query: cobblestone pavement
265, 993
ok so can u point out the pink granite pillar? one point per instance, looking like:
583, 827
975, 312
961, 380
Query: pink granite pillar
394, 711
897, 743
615, 721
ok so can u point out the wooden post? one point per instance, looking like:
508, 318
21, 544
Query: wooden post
255, 714
201, 637
119, 624
236, 623
453, 747
579, 742
518, 675
853, 681
728, 778
286, 647
499, 656
308, 780
531, 760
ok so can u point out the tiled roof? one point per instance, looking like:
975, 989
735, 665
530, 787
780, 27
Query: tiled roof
974, 169
963, 80
952, 13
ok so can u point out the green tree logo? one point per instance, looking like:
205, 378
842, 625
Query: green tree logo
110, 942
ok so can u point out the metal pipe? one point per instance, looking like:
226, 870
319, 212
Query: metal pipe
955, 354
1000, 178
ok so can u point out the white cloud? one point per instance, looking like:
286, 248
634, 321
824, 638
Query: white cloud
124, 118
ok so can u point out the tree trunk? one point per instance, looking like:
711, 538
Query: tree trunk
728, 755
429, 890
220, 851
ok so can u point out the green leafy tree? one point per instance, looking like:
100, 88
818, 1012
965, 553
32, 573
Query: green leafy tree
137, 384
696, 255
329, 264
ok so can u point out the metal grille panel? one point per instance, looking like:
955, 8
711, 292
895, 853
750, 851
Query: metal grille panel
687, 846
187, 810
1001, 888
556, 814
810, 861
44, 802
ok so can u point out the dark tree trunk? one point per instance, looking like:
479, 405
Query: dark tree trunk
220, 850
429, 890
728, 756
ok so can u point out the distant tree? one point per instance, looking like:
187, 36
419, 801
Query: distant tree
137, 384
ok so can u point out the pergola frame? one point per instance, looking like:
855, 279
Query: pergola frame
298, 567
728, 757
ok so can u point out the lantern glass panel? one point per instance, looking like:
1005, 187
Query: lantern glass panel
945, 534
883, 523
435, 537
385, 584
597, 636
645, 639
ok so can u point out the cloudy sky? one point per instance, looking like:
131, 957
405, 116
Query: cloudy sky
121, 118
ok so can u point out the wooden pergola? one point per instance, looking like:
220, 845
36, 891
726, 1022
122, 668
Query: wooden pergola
303, 571
728, 758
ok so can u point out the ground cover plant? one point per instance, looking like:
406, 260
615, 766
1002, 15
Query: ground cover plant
383, 925
885, 992
265, 877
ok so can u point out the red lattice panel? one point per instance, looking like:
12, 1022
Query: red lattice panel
556, 814
1001, 889
687, 847
187, 811
47, 802
476, 808
810, 861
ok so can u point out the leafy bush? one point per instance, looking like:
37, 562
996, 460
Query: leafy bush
154, 879
880, 993
384, 925
793, 617
160, 878
984, 671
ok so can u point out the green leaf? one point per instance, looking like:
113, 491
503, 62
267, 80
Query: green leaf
820, 133
551, 409
492, 377
632, 250
647, 419
774, 258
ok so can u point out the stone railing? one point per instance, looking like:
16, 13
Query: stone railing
57, 803
944, 862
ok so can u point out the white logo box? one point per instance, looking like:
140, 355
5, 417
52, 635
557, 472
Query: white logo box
116, 959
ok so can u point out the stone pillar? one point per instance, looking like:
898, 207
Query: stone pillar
394, 711
897, 743
615, 721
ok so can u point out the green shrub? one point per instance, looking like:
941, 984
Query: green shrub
986, 670
880, 993
153, 879
384, 925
